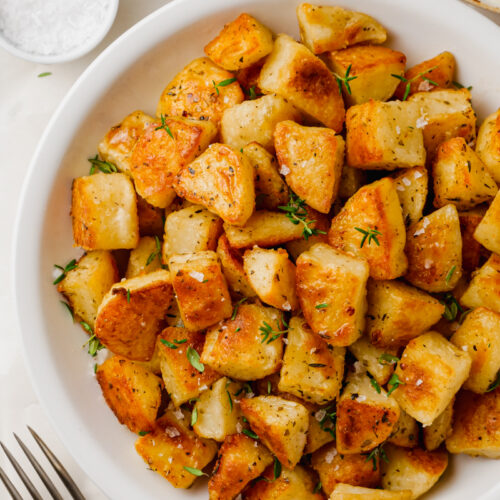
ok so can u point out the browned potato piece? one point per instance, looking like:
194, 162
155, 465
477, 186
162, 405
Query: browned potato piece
270, 189
324, 28
373, 67
87, 284
293, 72
406, 431
416, 470
241, 459
460, 177
311, 158
172, 446
144, 258
311, 370
347, 492
430, 373
161, 152
200, 288
117, 144
366, 415
104, 212
195, 93
221, 179
436, 433
471, 249
398, 313
240, 44
150, 218
272, 275
488, 230
439, 69
237, 347
488, 144
334, 468
383, 136
476, 426
484, 289
478, 336
412, 188
331, 287
280, 424
434, 251
131, 314
132, 392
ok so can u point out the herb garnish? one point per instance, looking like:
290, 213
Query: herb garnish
411, 80
68, 307
65, 270
451, 307
370, 234
230, 399
164, 126
194, 359
93, 342
268, 334
330, 418
106, 167
345, 80
224, 83
460, 86
143, 433
277, 468
321, 306
375, 385
450, 274
377, 452
494, 384
250, 433
387, 359
269, 387
128, 295
194, 471
155, 253
317, 488
394, 383
236, 306
194, 416
41, 75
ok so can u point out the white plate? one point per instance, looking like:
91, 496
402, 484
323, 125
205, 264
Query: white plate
130, 75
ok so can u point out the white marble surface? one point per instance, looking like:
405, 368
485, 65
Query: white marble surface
26, 104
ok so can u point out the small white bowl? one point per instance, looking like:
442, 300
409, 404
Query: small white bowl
76, 53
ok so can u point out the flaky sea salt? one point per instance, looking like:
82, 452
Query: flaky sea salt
330, 456
424, 86
197, 276
320, 415
421, 122
172, 432
419, 382
284, 170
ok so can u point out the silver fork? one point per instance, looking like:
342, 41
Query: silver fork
56, 464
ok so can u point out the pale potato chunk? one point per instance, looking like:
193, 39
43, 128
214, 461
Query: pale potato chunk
471, 249
195, 93
373, 67
413, 469
293, 72
371, 226
280, 424
347, 492
434, 251
311, 370
406, 431
383, 135
412, 186
255, 121
238, 348
430, 373
311, 158
488, 230
86, 285
144, 258
272, 275
484, 288
488, 144
331, 287
324, 28
436, 433
104, 212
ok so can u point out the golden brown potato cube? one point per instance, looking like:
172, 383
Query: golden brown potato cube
334, 468
196, 92
347, 492
172, 446
311, 369
406, 431
373, 68
117, 144
132, 392
255, 121
383, 136
264, 229
413, 469
280, 424
241, 459
293, 72
436, 433
488, 230
484, 288
434, 251
430, 373
366, 415
331, 287
240, 44
271, 190
232, 267
488, 144
150, 218
161, 152
412, 186
460, 177
471, 249
191, 229
444, 114
104, 212
87, 284
371, 226
311, 159
478, 336
298, 484
398, 313
350, 181
476, 425
180, 350
131, 315
221, 179
272, 275
324, 28
200, 288
432, 74
239, 348
144, 258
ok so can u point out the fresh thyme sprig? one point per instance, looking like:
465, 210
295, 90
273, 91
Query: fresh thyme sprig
224, 83
106, 167
370, 234
494, 384
268, 334
374, 454
345, 80
329, 419
451, 307
394, 383
64, 270
411, 80
93, 342
387, 359
194, 359
450, 274
236, 307
460, 86
164, 126
155, 253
